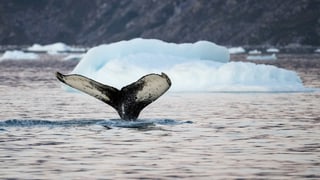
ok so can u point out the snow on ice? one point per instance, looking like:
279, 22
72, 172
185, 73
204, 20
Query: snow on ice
201, 66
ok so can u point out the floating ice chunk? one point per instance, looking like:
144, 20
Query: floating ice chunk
255, 52
50, 48
55, 48
73, 57
262, 58
244, 77
153, 52
273, 50
236, 50
317, 51
18, 55
201, 66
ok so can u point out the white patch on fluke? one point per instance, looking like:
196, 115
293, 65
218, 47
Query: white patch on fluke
154, 86
85, 85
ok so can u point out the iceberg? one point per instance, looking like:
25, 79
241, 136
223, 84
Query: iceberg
18, 55
262, 57
236, 50
54, 48
254, 52
201, 66
273, 50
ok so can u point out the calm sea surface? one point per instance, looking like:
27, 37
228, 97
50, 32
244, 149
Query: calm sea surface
47, 133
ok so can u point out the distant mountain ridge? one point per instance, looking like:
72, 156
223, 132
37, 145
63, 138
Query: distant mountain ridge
226, 22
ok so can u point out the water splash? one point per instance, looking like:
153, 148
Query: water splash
111, 123
141, 123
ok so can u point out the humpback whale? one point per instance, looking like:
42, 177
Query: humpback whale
130, 100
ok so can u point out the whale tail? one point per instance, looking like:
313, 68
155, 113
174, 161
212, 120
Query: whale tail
130, 100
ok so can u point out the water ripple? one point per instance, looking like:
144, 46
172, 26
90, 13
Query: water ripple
139, 124
47, 133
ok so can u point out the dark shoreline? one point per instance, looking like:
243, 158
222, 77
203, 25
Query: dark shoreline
288, 49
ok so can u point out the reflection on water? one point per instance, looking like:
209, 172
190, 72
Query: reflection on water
51, 134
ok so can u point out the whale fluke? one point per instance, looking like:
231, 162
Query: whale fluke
130, 100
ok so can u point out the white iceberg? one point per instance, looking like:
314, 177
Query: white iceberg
254, 52
201, 66
317, 51
236, 50
54, 48
18, 55
273, 50
262, 57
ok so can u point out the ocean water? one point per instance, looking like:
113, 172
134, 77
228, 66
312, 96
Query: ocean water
47, 133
